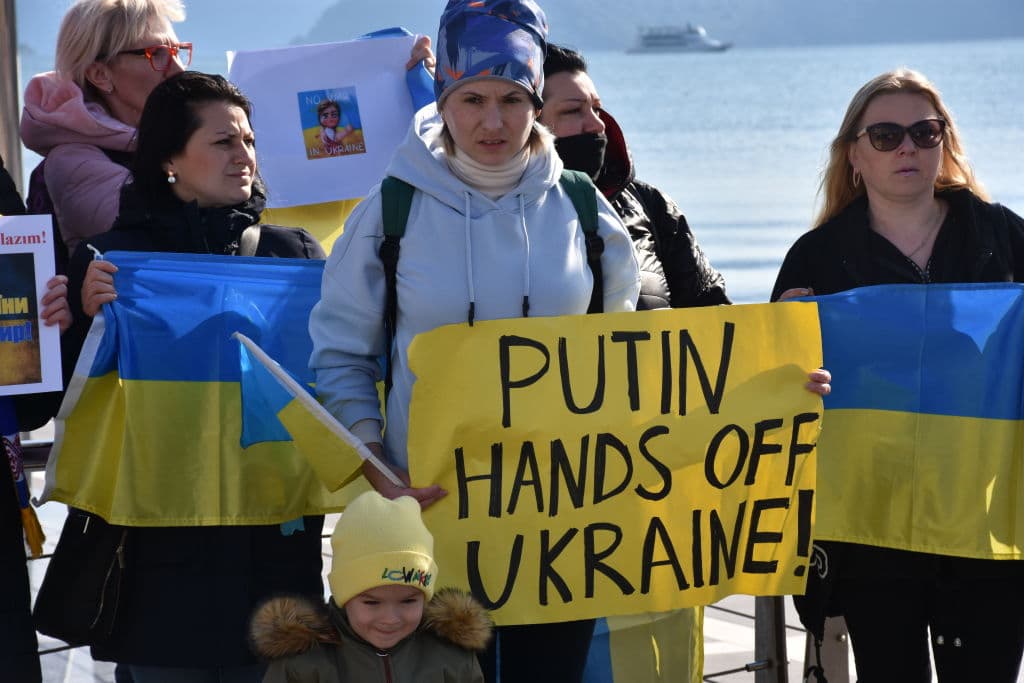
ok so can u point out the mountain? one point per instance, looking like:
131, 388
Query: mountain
218, 25
613, 24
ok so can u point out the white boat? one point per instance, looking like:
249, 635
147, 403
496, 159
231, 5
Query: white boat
689, 38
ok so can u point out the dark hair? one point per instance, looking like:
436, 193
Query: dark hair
169, 118
561, 59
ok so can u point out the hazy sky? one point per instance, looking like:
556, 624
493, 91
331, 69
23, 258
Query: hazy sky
211, 22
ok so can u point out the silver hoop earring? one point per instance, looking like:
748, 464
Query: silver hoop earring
856, 178
171, 178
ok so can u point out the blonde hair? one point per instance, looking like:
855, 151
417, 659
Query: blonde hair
837, 187
96, 30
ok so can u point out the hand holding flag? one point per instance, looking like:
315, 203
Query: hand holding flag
334, 453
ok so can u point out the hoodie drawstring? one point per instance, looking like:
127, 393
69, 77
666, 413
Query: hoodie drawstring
469, 264
526, 261
469, 259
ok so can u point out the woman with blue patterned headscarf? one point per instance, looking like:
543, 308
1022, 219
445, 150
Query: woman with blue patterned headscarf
491, 234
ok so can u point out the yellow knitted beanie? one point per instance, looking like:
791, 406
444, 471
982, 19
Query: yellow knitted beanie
381, 542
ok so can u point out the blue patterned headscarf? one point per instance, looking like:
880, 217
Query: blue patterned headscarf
491, 39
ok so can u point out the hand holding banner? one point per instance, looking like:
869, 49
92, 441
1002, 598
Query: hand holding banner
334, 453
619, 463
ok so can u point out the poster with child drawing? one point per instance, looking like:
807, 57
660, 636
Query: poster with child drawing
330, 123
327, 117
29, 350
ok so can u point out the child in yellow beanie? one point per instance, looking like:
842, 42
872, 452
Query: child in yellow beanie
384, 621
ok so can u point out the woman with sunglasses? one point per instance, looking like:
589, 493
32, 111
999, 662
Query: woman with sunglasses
902, 205
82, 117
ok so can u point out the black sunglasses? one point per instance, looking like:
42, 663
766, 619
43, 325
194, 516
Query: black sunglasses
885, 137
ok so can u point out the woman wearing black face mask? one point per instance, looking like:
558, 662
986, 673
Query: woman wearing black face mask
673, 269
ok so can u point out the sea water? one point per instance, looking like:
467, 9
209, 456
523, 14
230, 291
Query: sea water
738, 138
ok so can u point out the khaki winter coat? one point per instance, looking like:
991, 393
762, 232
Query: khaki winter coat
303, 641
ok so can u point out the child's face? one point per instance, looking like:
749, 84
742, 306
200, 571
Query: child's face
329, 118
383, 616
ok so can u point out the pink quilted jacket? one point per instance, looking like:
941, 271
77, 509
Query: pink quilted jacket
71, 133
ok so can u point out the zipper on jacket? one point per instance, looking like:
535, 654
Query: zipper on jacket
119, 560
385, 659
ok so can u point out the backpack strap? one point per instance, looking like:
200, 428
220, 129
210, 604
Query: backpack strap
583, 194
249, 240
396, 200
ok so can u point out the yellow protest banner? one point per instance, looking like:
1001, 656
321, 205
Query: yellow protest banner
613, 464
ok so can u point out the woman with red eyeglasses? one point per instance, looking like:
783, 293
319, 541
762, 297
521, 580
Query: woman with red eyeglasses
902, 205
82, 117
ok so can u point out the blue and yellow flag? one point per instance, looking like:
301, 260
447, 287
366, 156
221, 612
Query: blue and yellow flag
921, 445
653, 647
278, 407
149, 433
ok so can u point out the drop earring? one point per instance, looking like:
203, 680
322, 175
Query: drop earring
171, 178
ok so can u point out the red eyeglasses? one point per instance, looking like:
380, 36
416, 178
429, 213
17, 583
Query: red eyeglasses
160, 56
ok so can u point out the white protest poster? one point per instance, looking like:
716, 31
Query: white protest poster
29, 350
327, 117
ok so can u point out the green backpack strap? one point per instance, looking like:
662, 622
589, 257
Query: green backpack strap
396, 196
396, 200
583, 194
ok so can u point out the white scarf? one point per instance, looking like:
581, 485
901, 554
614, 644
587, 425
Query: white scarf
493, 181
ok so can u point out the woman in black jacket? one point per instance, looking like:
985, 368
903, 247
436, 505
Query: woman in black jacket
19, 657
901, 205
673, 269
18, 646
189, 591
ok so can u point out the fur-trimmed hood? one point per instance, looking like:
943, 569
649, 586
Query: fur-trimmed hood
288, 626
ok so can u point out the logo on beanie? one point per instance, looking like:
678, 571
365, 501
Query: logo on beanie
411, 576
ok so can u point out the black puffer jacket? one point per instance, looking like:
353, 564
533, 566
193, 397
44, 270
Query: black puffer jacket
673, 269
18, 658
10, 201
188, 592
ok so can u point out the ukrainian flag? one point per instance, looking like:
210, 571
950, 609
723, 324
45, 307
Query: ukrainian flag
324, 221
149, 432
922, 439
270, 391
662, 646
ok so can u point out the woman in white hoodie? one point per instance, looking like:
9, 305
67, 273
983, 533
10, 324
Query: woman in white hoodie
491, 234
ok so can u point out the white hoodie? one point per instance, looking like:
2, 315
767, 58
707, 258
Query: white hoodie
459, 247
